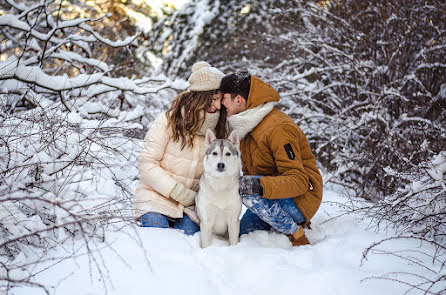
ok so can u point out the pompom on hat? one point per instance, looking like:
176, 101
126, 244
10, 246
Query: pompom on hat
204, 77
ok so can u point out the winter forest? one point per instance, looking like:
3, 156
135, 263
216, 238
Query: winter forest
82, 80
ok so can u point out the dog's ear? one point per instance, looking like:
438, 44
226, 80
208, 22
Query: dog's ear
210, 137
233, 137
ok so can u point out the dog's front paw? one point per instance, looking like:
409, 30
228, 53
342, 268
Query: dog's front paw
205, 244
205, 236
233, 242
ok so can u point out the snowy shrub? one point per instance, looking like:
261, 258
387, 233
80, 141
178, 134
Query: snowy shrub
70, 136
417, 212
432, 278
124, 19
420, 206
384, 93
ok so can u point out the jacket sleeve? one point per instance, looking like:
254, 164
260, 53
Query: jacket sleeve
154, 147
292, 181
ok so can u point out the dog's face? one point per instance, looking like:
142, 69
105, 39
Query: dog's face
222, 155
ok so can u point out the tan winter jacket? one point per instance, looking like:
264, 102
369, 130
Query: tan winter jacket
162, 164
277, 148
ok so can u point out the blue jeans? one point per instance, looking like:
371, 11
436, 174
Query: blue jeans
262, 214
153, 219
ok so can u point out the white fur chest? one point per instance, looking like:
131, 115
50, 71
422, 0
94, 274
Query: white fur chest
221, 201
218, 201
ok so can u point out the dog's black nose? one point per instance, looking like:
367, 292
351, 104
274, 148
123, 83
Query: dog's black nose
220, 166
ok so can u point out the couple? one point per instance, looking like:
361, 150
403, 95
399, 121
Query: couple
282, 187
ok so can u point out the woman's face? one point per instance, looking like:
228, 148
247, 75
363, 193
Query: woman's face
216, 103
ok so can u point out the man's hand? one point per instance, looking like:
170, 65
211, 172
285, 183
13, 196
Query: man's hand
250, 185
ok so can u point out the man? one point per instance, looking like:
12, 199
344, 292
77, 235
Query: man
282, 187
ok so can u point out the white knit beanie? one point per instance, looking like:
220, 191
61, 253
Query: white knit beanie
204, 77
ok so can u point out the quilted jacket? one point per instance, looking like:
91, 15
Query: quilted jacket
162, 164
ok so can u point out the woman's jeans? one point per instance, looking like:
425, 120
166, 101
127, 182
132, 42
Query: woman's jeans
153, 219
262, 214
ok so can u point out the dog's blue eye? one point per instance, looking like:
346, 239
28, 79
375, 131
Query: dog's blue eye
214, 153
228, 154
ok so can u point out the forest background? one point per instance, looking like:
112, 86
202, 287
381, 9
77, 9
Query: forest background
80, 82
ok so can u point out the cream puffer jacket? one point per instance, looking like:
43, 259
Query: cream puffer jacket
162, 164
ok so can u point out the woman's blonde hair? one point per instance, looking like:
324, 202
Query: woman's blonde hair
185, 115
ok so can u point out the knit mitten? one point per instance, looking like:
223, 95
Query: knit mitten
183, 195
250, 185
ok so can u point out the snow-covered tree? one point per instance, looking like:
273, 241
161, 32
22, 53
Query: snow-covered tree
230, 34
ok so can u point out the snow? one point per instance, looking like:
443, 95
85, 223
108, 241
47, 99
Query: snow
72, 56
14, 22
438, 168
74, 118
35, 75
165, 261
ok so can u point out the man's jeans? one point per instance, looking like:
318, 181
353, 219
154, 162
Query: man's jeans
262, 214
153, 219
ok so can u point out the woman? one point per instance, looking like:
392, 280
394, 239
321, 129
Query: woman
170, 162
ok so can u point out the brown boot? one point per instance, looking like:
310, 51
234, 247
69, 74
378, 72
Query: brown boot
299, 238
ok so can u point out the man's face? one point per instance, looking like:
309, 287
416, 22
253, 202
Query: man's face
233, 106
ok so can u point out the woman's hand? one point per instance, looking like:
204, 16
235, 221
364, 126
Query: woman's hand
183, 195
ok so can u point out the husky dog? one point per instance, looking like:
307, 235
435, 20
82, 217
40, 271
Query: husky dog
218, 201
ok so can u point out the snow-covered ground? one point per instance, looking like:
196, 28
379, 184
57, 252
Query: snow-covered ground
158, 261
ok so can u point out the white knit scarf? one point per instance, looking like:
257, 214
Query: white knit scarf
246, 121
210, 122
